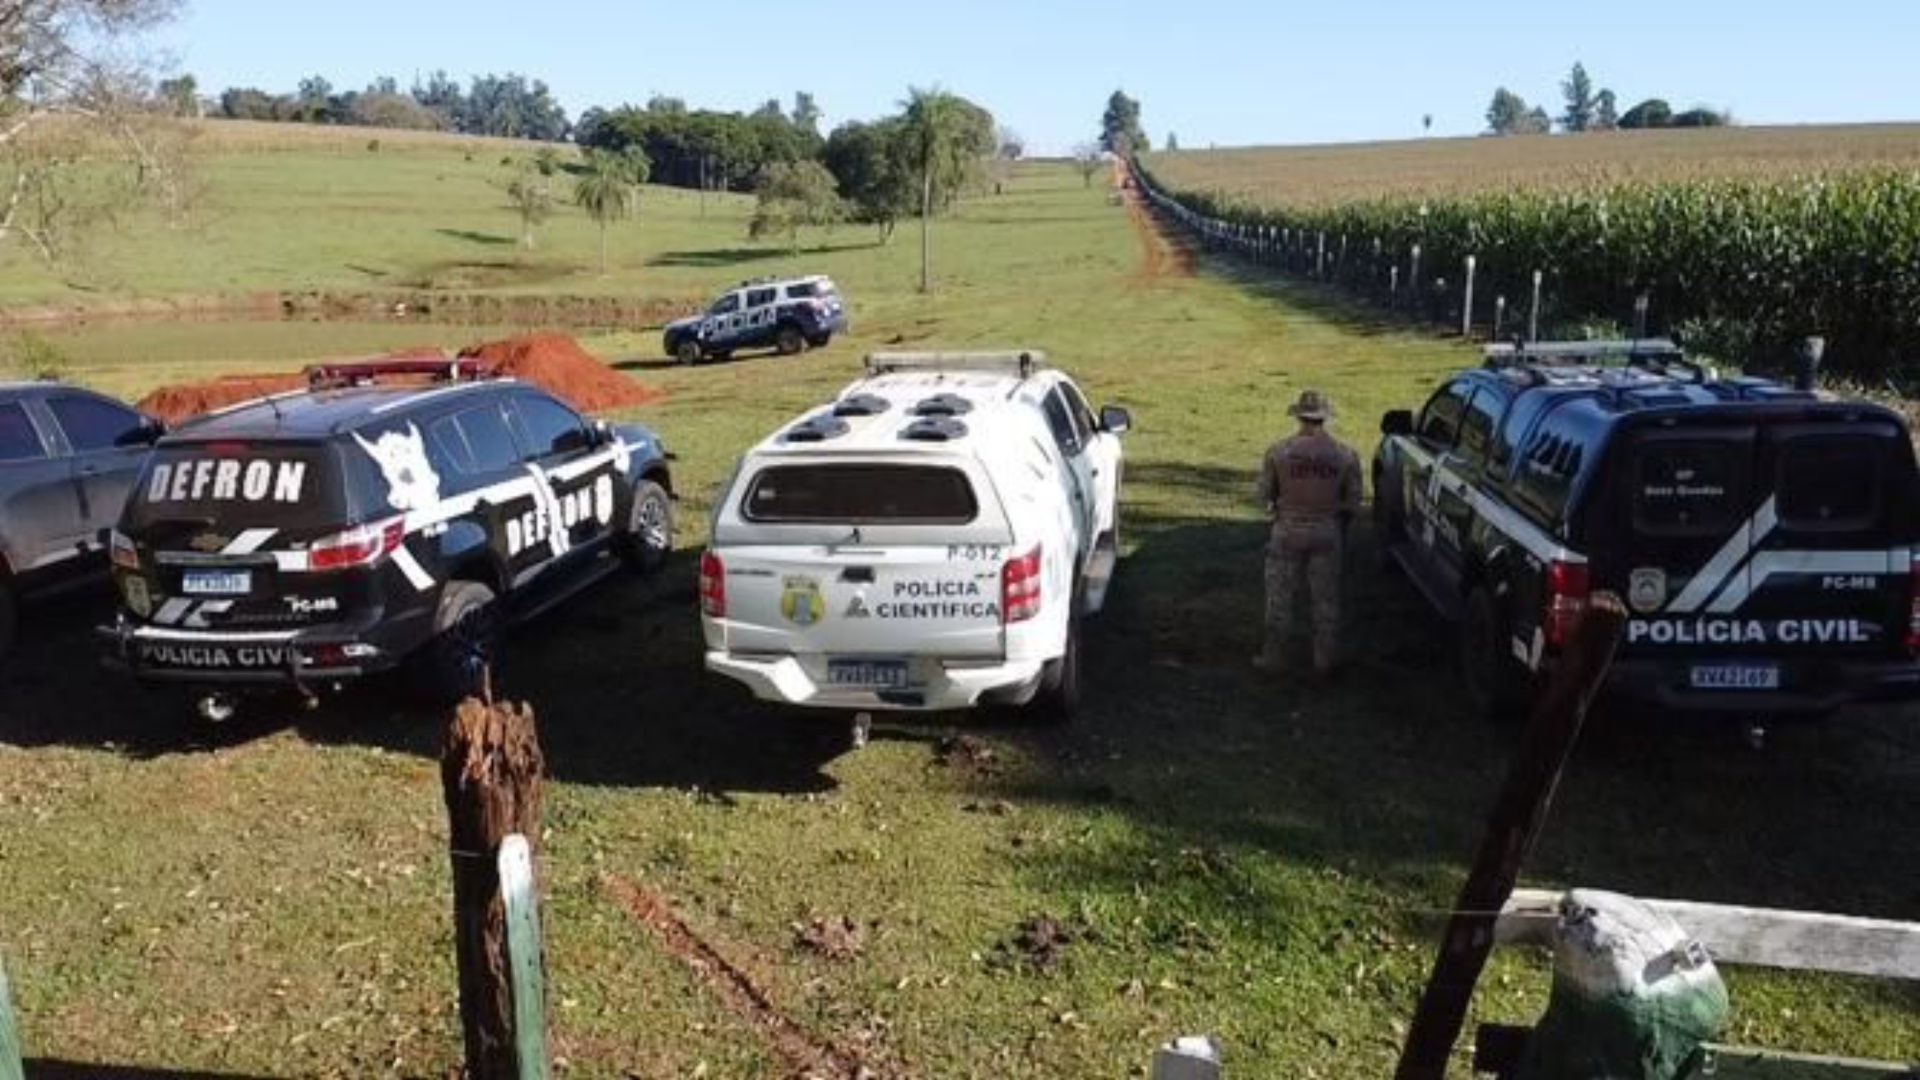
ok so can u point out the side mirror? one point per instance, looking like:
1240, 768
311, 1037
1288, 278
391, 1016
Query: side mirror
1397, 422
1115, 420
600, 433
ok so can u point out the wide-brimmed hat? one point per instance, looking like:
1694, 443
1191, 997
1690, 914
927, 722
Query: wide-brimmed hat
1313, 405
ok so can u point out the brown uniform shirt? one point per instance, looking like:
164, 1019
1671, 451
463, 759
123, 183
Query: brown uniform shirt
1310, 477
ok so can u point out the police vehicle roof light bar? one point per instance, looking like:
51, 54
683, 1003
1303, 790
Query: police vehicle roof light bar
1024, 361
467, 369
1657, 355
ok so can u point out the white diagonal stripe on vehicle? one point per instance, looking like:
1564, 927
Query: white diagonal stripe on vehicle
1725, 561
173, 610
1765, 564
197, 618
416, 575
249, 541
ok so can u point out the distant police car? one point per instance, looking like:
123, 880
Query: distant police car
67, 458
783, 314
930, 539
315, 537
1764, 538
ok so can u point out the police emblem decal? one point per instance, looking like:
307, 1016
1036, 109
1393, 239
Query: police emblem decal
800, 601
1647, 588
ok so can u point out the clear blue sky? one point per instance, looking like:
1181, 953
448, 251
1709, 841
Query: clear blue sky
1246, 73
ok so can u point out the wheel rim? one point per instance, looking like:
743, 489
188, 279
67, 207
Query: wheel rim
651, 524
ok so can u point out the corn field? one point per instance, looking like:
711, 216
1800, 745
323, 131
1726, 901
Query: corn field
1741, 269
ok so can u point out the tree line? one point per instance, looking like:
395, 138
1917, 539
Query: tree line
1590, 109
508, 106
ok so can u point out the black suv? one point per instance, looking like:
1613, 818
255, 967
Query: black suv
307, 539
67, 458
1762, 536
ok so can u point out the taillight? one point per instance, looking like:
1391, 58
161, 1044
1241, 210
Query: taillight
1020, 588
122, 552
713, 586
1566, 600
360, 546
1913, 609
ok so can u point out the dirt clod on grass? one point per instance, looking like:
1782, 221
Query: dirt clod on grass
1041, 943
838, 937
554, 362
966, 753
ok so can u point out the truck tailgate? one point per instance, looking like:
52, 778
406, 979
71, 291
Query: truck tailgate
937, 600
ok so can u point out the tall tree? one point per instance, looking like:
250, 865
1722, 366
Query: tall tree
1605, 114
531, 196
71, 59
792, 195
1651, 113
1509, 114
1120, 131
1577, 89
806, 113
1426, 123
1086, 158
934, 136
1172, 143
869, 161
603, 191
180, 94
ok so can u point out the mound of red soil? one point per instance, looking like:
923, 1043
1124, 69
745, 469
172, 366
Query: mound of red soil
176, 403
554, 362
557, 363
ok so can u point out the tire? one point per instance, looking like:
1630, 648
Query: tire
819, 341
648, 538
788, 341
1058, 701
9, 618
464, 655
687, 352
1497, 686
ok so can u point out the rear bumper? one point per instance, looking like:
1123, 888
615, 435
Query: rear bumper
305, 658
945, 684
1816, 686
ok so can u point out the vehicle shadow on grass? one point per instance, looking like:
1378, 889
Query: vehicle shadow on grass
614, 675
1247, 793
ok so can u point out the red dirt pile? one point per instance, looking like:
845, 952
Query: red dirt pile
557, 364
554, 362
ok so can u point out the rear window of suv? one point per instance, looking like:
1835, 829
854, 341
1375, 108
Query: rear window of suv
800, 290
1689, 487
226, 484
854, 494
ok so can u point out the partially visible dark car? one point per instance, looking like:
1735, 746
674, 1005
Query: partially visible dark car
67, 459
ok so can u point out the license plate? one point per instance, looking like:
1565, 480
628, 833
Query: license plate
217, 582
1736, 677
872, 674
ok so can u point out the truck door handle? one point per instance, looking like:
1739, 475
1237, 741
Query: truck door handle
858, 575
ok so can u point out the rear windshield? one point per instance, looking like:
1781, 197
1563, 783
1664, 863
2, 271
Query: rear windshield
1830, 483
267, 484
1689, 487
855, 494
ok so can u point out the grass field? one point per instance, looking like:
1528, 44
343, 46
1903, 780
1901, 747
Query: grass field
1262, 860
1302, 176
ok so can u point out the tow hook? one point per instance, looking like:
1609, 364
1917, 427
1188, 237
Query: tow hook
216, 708
1755, 734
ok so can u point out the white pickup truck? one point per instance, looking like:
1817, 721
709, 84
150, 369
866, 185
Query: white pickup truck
928, 540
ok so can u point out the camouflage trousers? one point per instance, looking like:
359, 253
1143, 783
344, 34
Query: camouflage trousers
1304, 553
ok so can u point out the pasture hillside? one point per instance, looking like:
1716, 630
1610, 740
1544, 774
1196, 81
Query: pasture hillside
1265, 860
1325, 175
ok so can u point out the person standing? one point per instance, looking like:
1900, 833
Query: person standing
1310, 483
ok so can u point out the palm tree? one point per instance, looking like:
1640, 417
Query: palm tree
603, 192
933, 130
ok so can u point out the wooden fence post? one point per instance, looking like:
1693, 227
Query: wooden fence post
11, 1065
1512, 828
1533, 313
491, 772
1466, 306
